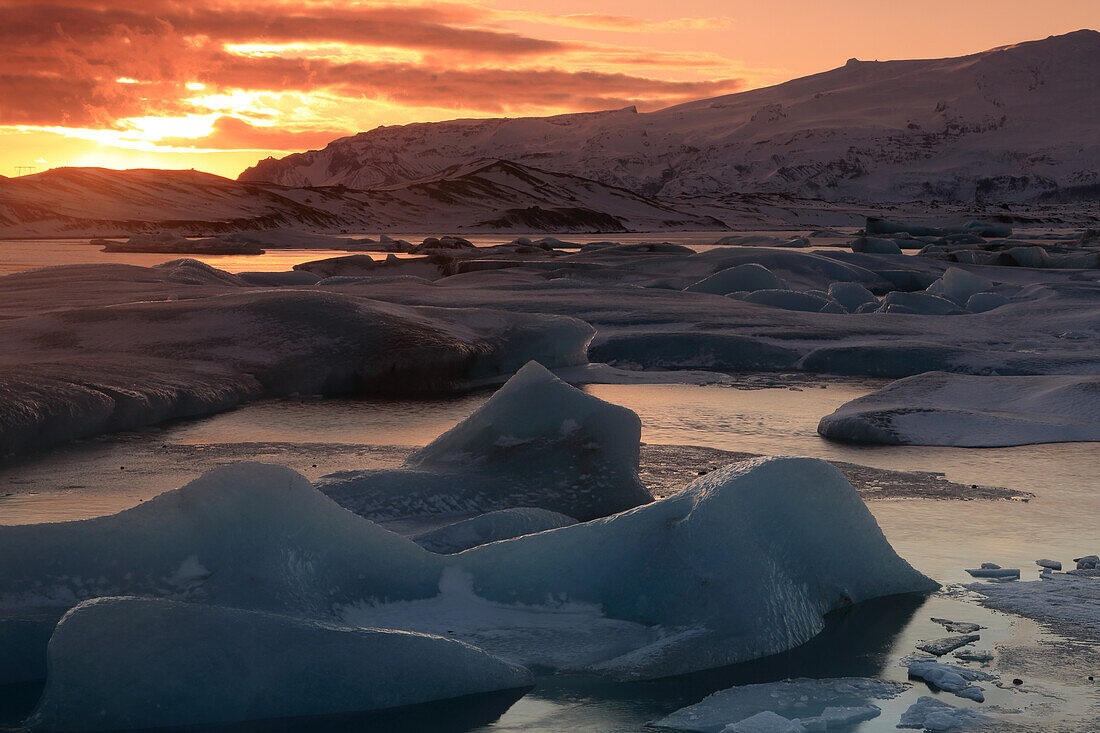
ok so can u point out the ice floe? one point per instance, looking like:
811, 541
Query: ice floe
937, 408
797, 705
537, 442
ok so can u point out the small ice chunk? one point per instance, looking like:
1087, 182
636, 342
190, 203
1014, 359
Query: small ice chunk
951, 678
1088, 562
990, 566
851, 295
939, 647
929, 713
1052, 564
958, 627
816, 704
765, 722
974, 655
1013, 573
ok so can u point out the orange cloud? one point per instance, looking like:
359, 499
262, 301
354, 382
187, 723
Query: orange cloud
114, 65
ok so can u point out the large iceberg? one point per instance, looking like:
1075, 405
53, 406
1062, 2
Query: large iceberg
537, 442
744, 563
125, 663
938, 408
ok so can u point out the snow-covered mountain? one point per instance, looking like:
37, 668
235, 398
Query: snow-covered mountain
1017, 123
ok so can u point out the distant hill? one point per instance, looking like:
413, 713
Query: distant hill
1011, 124
485, 195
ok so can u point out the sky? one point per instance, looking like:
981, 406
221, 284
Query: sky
219, 84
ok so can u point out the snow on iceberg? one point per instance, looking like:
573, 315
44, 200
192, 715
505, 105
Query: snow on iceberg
503, 524
937, 408
800, 704
537, 442
124, 663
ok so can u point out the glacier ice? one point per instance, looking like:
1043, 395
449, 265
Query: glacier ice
744, 563
502, 524
938, 408
950, 678
748, 277
123, 663
959, 285
875, 245
928, 713
800, 704
80, 372
788, 300
537, 442
851, 295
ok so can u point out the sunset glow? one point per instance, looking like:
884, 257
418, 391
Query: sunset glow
216, 85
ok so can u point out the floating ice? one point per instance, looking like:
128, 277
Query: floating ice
1088, 562
939, 647
959, 285
748, 277
787, 528
937, 408
931, 714
800, 705
951, 678
851, 295
874, 245
537, 442
121, 663
491, 527
1052, 564
1006, 573
792, 300
919, 304
1069, 604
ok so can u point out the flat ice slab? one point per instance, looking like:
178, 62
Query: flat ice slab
795, 705
938, 408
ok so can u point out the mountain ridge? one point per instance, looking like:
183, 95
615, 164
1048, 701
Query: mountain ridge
1010, 123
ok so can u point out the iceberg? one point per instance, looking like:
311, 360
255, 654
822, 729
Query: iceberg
743, 563
928, 713
951, 678
938, 408
748, 277
959, 285
799, 704
538, 442
81, 372
125, 663
490, 527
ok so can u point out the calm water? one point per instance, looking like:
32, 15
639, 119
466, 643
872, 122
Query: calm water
940, 538
17, 255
